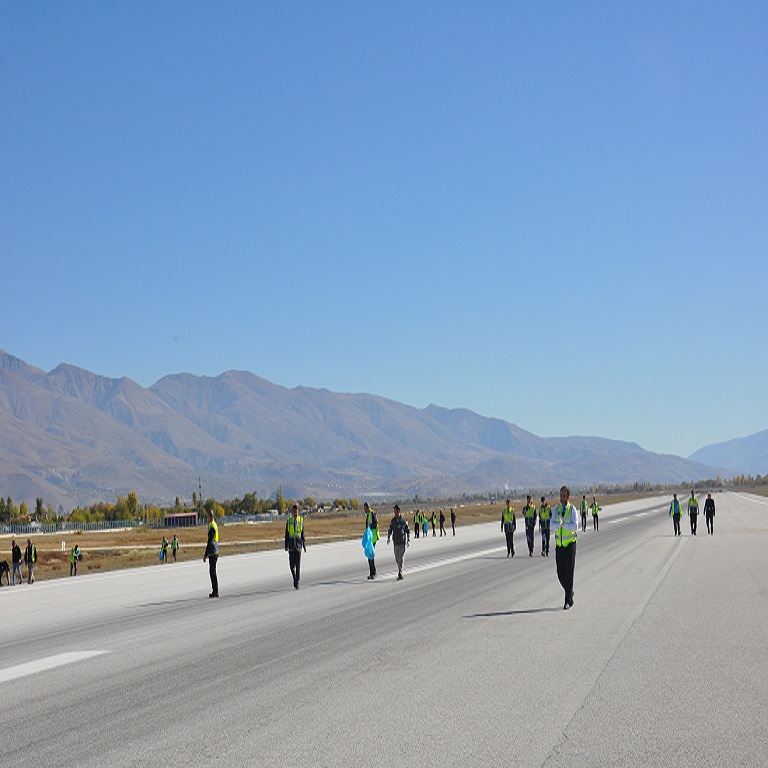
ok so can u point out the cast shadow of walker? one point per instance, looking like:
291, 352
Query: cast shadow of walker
496, 614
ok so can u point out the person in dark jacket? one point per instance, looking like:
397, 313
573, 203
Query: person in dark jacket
16, 561
709, 513
443, 532
30, 558
508, 525
212, 553
295, 543
453, 521
400, 534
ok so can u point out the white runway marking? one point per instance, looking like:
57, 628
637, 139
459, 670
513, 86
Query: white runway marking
50, 662
441, 563
751, 498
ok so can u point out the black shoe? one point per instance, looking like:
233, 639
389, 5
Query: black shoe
399, 576
566, 606
214, 594
530, 554
570, 602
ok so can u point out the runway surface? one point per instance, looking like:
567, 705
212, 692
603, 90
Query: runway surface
470, 660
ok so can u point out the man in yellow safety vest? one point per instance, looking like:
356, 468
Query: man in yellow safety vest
566, 525
212, 553
508, 525
545, 518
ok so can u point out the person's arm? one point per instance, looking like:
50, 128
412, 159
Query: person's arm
303, 540
286, 536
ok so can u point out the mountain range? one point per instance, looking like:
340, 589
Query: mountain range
742, 455
73, 437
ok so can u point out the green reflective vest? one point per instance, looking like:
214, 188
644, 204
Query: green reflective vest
215, 539
374, 529
563, 536
545, 513
508, 516
295, 529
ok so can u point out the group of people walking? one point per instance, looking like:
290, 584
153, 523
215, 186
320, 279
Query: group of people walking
566, 526
675, 512
422, 521
30, 558
544, 515
165, 545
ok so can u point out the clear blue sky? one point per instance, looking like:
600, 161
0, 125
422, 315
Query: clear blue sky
552, 213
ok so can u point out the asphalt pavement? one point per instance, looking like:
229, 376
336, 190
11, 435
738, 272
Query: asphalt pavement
470, 660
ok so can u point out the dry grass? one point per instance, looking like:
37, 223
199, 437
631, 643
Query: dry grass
137, 547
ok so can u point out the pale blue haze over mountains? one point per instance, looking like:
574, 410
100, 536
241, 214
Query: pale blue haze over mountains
72, 436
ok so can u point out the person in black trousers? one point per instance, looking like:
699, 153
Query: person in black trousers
212, 553
508, 525
566, 524
709, 514
294, 543
453, 521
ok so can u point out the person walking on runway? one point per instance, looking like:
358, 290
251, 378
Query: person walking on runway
508, 525
401, 535
693, 512
674, 513
566, 525
709, 514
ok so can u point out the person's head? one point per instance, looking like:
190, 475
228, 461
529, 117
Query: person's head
565, 494
709, 495
29, 542
584, 496
508, 502
528, 498
692, 493
209, 516
397, 510
594, 500
674, 496
366, 507
295, 510
543, 499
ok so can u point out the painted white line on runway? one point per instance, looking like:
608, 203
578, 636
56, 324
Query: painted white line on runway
440, 563
751, 498
41, 665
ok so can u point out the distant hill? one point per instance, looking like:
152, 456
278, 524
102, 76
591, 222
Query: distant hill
72, 436
742, 455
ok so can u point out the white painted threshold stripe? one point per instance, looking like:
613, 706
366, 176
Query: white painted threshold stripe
41, 665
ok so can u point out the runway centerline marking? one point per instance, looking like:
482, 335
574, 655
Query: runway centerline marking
41, 665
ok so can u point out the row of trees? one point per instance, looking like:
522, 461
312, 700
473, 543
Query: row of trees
129, 508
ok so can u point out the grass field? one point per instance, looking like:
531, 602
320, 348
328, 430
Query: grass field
137, 547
